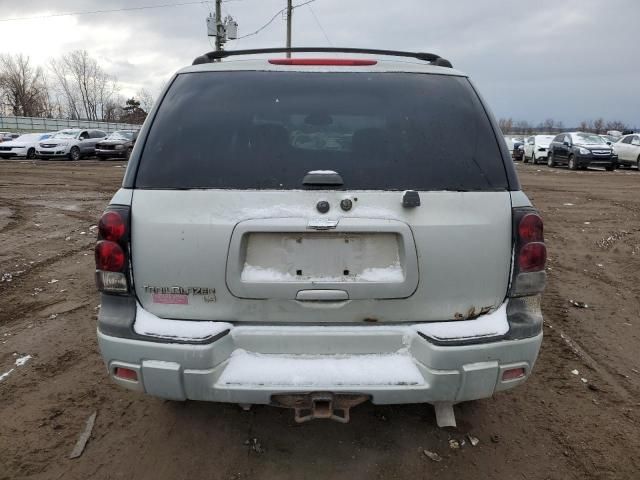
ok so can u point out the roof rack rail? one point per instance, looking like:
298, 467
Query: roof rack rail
427, 57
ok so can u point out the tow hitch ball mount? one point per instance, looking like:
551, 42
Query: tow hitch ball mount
308, 406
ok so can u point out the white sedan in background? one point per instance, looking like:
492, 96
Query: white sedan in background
23, 146
536, 148
628, 150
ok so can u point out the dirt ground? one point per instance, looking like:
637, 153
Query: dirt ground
559, 425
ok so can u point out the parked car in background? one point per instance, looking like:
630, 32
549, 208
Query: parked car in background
117, 145
536, 148
23, 146
628, 150
513, 145
610, 139
580, 150
70, 143
518, 151
8, 136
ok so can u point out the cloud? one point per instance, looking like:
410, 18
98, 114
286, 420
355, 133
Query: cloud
568, 59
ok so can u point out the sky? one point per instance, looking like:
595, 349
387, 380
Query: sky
570, 60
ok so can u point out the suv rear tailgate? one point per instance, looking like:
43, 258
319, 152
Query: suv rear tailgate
208, 254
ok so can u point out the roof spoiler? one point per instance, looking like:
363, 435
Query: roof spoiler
426, 57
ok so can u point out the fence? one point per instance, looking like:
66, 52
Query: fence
34, 124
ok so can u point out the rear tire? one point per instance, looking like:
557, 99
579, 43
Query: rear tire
638, 163
31, 154
610, 168
550, 161
74, 154
573, 165
534, 160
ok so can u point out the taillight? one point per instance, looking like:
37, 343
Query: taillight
532, 257
112, 226
109, 256
530, 228
530, 253
112, 251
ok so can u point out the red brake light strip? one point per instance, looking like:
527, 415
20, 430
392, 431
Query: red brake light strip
343, 62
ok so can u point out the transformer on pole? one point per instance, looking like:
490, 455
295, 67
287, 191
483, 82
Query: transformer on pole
222, 29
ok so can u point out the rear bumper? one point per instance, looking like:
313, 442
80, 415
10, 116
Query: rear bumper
249, 364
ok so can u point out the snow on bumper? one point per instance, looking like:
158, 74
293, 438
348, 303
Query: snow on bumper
249, 364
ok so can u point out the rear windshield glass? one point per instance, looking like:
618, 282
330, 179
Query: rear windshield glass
266, 130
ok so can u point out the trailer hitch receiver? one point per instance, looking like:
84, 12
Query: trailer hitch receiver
307, 406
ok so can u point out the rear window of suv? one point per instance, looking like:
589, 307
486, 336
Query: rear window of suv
266, 130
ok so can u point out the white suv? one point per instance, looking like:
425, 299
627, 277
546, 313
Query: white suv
313, 233
70, 143
536, 148
628, 150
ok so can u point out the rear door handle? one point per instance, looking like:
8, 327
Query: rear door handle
322, 295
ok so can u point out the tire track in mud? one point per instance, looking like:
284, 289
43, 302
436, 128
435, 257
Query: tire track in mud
558, 313
17, 218
627, 205
23, 207
17, 309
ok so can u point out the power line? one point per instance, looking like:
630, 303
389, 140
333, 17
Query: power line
273, 18
320, 25
93, 12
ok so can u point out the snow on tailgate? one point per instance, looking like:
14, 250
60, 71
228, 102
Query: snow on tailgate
148, 324
490, 325
247, 368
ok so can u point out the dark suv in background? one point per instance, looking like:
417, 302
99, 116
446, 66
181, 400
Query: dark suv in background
579, 150
119, 144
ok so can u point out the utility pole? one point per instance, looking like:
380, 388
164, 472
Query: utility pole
289, 14
222, 28
219, 26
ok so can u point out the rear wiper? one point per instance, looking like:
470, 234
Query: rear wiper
322, 178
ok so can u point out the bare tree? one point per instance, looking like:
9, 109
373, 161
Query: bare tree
506, 125
616, 125
113, 112
146, 99
86, 88
584, 126
523, 127
23, 89
598, 125
549, 125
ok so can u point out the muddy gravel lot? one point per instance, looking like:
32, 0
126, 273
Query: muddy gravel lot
559, 425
